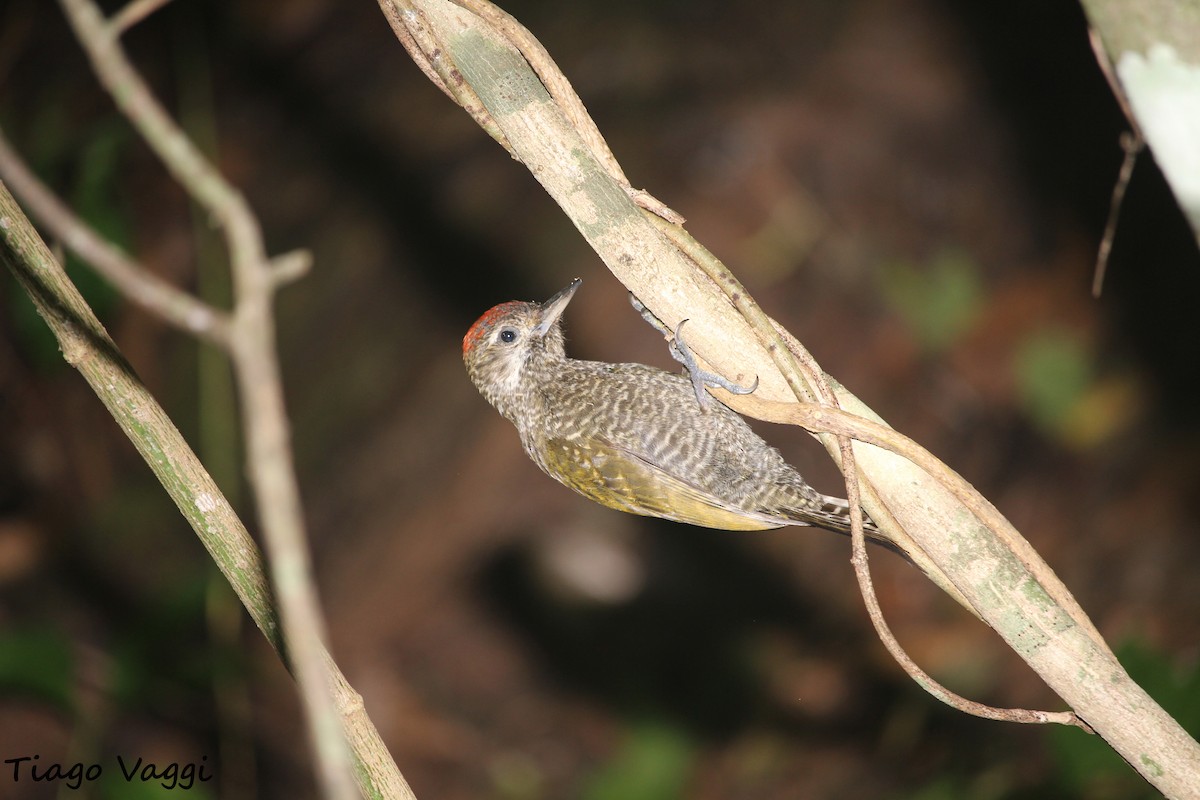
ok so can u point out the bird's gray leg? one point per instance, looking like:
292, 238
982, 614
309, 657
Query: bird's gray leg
648, 315
681, 353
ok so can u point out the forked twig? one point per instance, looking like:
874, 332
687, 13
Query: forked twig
133, 279
247, 334
134, 12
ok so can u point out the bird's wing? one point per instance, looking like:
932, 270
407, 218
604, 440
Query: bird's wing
619, 478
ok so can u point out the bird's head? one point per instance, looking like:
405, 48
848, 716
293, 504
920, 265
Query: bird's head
509, 342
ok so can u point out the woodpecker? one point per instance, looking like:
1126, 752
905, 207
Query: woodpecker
634, 437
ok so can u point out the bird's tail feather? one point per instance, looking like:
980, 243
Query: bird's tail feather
834, 515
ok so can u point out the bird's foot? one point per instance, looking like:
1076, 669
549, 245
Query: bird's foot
702, 378
681, 353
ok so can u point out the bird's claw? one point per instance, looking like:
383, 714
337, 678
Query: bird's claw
701, 378
681, 353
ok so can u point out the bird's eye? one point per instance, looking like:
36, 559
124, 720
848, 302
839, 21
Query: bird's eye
508, 336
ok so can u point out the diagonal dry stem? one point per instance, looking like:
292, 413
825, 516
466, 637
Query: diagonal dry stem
806, 379
991, 569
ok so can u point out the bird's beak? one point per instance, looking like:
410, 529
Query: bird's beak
553, 308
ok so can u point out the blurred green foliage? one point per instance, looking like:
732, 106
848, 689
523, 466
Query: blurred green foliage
938, 301
654, 763
157, 659
38, 663
516, 776
989, 785
113, 786
1053, 371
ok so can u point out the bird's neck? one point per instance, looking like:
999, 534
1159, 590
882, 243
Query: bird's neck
526, 399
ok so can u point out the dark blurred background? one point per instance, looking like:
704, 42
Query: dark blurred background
915, 188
